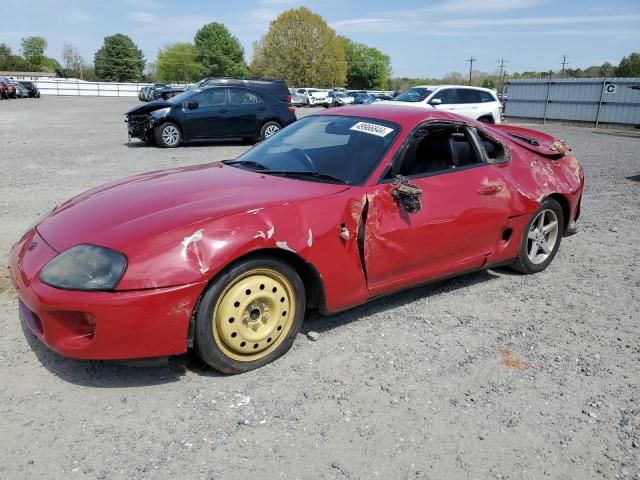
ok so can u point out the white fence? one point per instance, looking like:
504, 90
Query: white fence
89, 89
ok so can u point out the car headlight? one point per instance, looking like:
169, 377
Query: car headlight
85, 267
161, 112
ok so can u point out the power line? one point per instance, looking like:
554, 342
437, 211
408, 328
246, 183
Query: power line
471, 60
564, 62
501, 77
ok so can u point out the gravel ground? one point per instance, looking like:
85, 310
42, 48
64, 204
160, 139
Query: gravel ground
489, 375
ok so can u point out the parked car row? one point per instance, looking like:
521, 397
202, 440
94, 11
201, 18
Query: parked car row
159, 91
17, 89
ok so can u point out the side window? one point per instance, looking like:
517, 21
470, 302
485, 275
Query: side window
441, 149
244, 97
446, 96
486, 97
467, 95
212, 98
494, 150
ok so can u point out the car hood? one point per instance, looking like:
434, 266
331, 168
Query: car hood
149, 107
125, 213
405, 104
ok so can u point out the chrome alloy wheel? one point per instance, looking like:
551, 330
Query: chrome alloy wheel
270, 130
542, 236
170, 135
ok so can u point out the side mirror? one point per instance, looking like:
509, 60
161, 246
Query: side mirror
435, 101
407, 195
192, 105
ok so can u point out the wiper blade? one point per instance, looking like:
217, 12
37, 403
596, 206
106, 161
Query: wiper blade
250, 164
304, 174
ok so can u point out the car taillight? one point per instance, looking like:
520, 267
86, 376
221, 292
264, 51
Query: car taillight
291, 108
288, 99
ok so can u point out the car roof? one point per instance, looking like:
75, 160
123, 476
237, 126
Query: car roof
406, 117
466, 87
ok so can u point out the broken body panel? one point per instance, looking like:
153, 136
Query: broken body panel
180, 228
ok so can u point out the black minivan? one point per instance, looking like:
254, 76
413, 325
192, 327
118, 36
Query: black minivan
208, 113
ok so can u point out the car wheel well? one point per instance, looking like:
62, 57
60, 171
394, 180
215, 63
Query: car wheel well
486, 119
314, 288
564, 203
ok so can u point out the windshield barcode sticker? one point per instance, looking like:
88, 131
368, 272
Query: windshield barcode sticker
372, 128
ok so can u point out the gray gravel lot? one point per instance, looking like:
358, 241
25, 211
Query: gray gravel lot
416, 385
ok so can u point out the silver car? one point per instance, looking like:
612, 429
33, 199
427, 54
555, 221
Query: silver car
21, 92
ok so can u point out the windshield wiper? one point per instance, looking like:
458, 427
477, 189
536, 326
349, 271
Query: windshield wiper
250, 164
303, 174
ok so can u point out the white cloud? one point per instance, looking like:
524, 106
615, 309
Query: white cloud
142, 4
143, 17
80, 17
564, 20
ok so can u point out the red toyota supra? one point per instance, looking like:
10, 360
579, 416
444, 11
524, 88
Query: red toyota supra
332, 211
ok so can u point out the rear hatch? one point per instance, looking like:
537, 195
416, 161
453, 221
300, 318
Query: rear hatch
538, 142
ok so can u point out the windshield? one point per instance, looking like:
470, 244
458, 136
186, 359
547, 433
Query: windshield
414, 94
181, 97
332, 149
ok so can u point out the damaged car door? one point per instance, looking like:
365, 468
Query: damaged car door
442, 214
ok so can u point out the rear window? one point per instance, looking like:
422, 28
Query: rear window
414, 94
486, 97
466, 95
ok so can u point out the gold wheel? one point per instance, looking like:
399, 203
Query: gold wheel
254, 314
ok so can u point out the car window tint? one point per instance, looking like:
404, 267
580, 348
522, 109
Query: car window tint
244, 97
414, 94
486, 97
466, 95
212, 98
446, 96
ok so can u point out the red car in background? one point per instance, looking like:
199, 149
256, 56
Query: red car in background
332, 211
6, 88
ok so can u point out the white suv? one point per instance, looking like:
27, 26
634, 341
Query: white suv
478, 103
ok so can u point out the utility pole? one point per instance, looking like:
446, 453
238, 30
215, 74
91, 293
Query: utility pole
501, 78
564, 62
471, 60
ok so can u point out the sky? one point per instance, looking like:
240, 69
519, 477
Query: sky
423, 38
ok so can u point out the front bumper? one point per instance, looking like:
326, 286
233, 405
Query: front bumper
140, 126
99, 325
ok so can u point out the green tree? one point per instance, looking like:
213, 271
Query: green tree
219, 52
119, 60
178, 63
367, 67
302, 49
629, 66
488, 83
33, 49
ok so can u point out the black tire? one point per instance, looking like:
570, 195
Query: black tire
268, 129
486, 119
168, 135
523, 263
207, 345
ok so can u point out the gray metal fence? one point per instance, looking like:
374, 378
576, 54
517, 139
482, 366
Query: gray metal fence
593, 100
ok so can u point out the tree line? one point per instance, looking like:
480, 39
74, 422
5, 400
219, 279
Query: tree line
299, 47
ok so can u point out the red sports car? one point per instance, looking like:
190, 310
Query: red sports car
336, 209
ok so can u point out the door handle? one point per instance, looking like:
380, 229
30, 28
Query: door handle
490, 189
224, 110
262, 108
